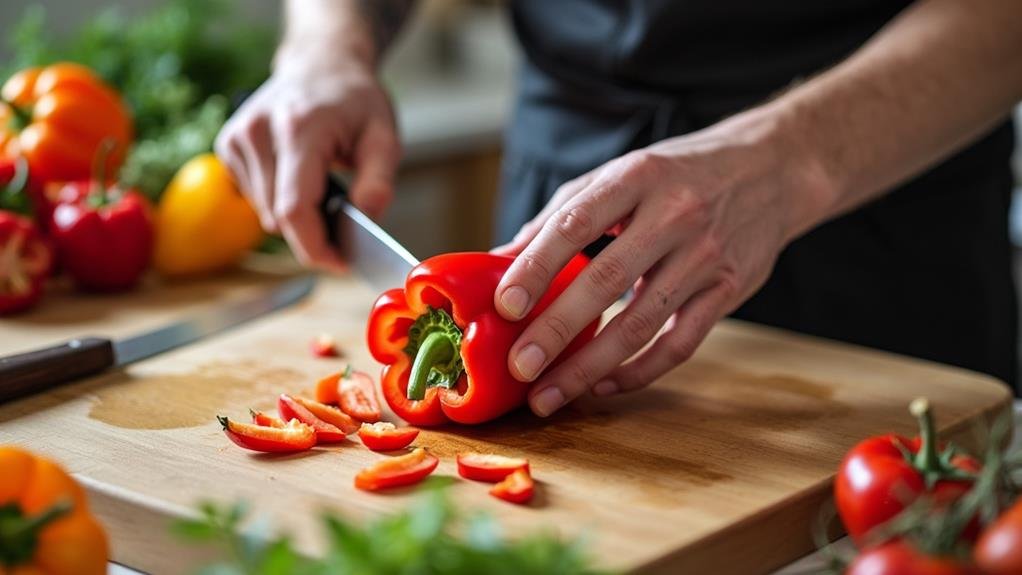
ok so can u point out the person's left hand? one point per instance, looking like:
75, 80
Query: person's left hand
699, 221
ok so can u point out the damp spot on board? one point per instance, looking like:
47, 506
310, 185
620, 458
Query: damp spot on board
190, 399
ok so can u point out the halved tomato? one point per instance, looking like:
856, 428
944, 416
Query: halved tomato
397, 471
326, 432
516, 488
488, 466
384, 436
294, 436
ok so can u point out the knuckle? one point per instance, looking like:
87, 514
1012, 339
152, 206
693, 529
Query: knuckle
644, 164
728, 283
636, 329
558, 329
680, 349
574, 224
579, 374
534, 265
290, 125
608, 276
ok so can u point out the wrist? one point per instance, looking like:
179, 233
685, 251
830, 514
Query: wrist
330, 48
810, 190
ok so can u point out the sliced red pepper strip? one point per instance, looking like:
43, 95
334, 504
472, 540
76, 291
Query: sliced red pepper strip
445, 347
289, 408
516, 488
384, 436
489, 467
295, 436
397, 471
266, 419
358, 396
329, 414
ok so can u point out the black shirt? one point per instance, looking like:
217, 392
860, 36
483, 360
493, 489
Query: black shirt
925, 270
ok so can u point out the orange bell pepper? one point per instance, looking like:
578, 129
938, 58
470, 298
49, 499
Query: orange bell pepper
58, 116
45, 523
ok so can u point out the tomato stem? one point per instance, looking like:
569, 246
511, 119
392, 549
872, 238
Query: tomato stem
927, 460
98, 196
19, 534
20, 118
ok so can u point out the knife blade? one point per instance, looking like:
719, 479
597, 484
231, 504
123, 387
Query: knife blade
362, 244
30, 372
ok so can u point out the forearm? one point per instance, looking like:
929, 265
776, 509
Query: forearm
360, 29
926, 85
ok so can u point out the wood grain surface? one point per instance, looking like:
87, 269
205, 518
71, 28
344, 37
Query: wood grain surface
723, 463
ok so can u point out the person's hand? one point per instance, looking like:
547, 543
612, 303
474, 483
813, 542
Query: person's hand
699, 221
316, 110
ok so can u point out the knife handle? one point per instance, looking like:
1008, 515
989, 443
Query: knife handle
334, 196
34, 371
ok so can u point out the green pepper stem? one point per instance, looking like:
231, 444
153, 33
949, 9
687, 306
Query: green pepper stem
436, 348
18, 534
22, 117
927, 460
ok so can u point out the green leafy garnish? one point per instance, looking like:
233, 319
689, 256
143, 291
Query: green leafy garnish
430, 538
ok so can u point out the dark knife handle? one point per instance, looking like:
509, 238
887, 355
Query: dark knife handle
334, 197
34, 371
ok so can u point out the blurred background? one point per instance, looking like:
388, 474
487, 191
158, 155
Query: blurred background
450, 74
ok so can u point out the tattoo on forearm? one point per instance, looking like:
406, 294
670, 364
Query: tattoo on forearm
385, 18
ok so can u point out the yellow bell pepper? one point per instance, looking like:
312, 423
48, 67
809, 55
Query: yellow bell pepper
203, 223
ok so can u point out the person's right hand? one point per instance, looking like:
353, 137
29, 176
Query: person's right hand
313, 112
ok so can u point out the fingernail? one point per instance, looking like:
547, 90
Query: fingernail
547, 401
515, 299
529, 361
605, 387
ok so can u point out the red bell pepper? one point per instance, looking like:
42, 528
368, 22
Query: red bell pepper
881, 476
326, 432
266, 419
397, 471
489, 467
295, 436
383, 436
104, 234
518, 487
25, 262
443, 345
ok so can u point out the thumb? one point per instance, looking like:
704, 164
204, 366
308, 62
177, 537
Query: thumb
376, 157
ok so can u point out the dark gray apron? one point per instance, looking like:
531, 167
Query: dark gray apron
924, 271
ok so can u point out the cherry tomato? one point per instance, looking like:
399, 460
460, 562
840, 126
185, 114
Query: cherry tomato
999, 549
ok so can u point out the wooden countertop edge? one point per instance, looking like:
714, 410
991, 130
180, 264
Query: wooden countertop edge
740, 535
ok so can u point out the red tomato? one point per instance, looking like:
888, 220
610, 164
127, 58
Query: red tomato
326, 432
295, 436
901, 558
489, 467
876, 481
999, 549
383, 436
516, 488
397, 471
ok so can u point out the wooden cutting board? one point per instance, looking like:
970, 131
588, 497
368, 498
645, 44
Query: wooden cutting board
723, 463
